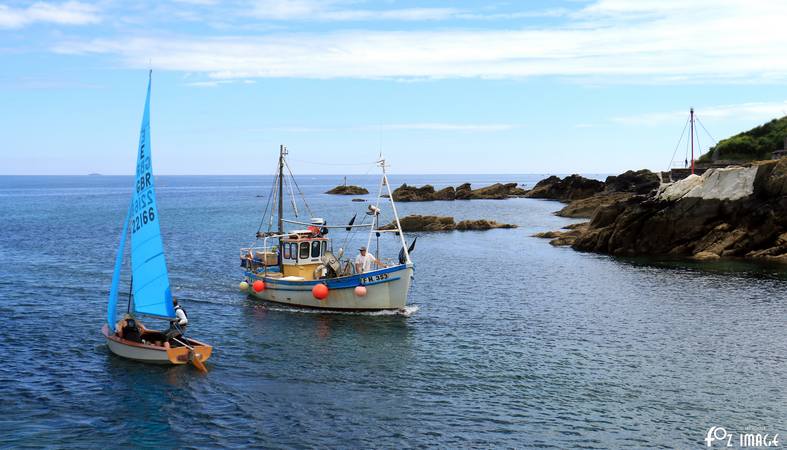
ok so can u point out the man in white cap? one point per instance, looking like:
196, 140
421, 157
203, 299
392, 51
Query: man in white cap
364, 261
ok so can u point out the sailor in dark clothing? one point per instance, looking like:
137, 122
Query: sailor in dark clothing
129, 330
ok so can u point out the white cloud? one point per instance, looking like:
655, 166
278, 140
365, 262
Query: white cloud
649, 40
743, 111
68, 13
331, 10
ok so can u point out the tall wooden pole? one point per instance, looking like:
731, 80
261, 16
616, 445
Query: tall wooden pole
691, 114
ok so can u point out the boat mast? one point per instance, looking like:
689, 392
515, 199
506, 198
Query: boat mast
691, 119
396, 214
130, 290
282, 152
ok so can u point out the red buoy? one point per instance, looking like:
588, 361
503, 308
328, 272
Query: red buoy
320, 291
258, 286
360, 291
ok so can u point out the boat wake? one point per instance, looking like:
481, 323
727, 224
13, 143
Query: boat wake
407, 311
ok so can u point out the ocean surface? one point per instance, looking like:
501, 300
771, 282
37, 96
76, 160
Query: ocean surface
508, 341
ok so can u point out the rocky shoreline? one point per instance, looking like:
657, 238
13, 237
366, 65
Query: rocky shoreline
445, 223
733, 212
427, 193
584, 195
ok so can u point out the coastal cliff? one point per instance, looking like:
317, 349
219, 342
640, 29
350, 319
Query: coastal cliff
728, 212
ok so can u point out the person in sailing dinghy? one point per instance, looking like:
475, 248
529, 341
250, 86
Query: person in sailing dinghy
177, 326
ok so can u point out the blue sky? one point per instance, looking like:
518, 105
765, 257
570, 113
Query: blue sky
596, 86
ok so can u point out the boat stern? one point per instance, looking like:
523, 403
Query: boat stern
183, 355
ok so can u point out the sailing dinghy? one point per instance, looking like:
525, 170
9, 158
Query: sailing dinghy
150, 282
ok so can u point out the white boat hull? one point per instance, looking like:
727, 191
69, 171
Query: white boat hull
386, 289
153, 354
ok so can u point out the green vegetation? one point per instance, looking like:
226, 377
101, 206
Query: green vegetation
757, 143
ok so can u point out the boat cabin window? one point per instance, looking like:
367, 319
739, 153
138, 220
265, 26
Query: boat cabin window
315, 249
324, 247
293, 251
286, 253
304, 251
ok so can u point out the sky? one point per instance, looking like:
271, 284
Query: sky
573, 86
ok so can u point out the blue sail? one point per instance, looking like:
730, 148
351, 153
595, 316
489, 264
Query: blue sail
149, 267
113, 291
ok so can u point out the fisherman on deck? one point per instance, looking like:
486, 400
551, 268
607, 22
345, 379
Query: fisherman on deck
364, 261
177, 326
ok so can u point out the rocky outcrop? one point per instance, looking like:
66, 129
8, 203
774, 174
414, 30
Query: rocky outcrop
498, 191
440, 223
616, 189
639, 182
585, 207
405, 193
348, 190
562, 238
481, 225
730, 212
573, 187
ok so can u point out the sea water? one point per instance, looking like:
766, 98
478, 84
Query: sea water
507, 342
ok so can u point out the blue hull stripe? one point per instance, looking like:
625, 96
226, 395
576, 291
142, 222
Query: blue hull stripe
335, 283
273, 287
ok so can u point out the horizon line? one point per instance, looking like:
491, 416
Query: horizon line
299, 175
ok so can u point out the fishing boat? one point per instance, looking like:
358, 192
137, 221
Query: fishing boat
150, 293
297, 265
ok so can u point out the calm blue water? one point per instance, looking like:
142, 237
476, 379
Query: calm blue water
510, 342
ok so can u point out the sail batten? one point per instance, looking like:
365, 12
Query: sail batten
152, 293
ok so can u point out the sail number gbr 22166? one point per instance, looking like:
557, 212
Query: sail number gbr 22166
144, 204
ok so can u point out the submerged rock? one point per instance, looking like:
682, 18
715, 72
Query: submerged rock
444, 223
348, 190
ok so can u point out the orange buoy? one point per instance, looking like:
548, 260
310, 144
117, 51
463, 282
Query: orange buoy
360, 291
320, 291
258, 286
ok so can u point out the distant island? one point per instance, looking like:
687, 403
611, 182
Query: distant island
94, 175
